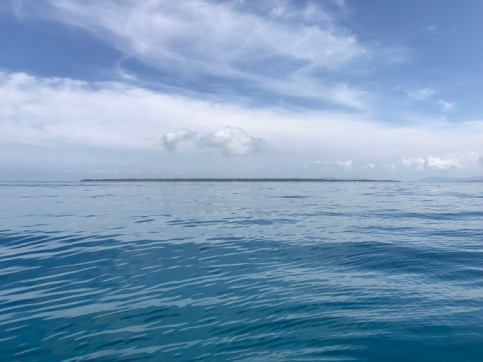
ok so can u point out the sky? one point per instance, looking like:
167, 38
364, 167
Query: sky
380, 89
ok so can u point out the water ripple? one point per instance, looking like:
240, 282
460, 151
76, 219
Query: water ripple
231, 272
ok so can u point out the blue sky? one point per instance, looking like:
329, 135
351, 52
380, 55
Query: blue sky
200, 88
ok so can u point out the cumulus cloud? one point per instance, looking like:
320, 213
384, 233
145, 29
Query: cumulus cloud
232, 141
311, 164
339, 164
460, 160
170, 140
430, 163
345, 165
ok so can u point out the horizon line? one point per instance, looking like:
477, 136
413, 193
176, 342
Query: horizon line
237, 179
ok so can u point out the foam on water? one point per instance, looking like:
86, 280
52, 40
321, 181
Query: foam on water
241, 272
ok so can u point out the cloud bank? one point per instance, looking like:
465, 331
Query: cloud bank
42, 119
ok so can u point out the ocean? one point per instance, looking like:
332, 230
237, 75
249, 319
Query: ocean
241, 271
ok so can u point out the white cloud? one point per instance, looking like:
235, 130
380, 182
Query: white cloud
193, 39
341, 3
315, 163
428, 94
421, 93
445, 105
16, 7
232, 141
343, 94
430, 163
170, 140
45, 119
369, 165
460, 160
345, 165
432, 29
480, 160
311, 164
217, 33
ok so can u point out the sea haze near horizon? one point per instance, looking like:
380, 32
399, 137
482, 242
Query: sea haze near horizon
240, 271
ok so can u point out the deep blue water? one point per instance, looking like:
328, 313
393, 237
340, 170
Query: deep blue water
241, 272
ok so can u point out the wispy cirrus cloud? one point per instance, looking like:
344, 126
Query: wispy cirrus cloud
206, 34
429, 95
277, 47
421, 93
445, 105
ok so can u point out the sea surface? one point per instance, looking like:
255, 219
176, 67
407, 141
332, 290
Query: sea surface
240, 271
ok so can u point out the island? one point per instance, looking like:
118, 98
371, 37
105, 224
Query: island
233, 180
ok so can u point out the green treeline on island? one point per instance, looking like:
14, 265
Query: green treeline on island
232, 180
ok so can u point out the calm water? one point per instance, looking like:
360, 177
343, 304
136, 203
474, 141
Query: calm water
241, 272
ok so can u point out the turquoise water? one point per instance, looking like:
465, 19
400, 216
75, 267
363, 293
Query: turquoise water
241, 271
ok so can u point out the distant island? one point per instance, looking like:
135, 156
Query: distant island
232, 180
